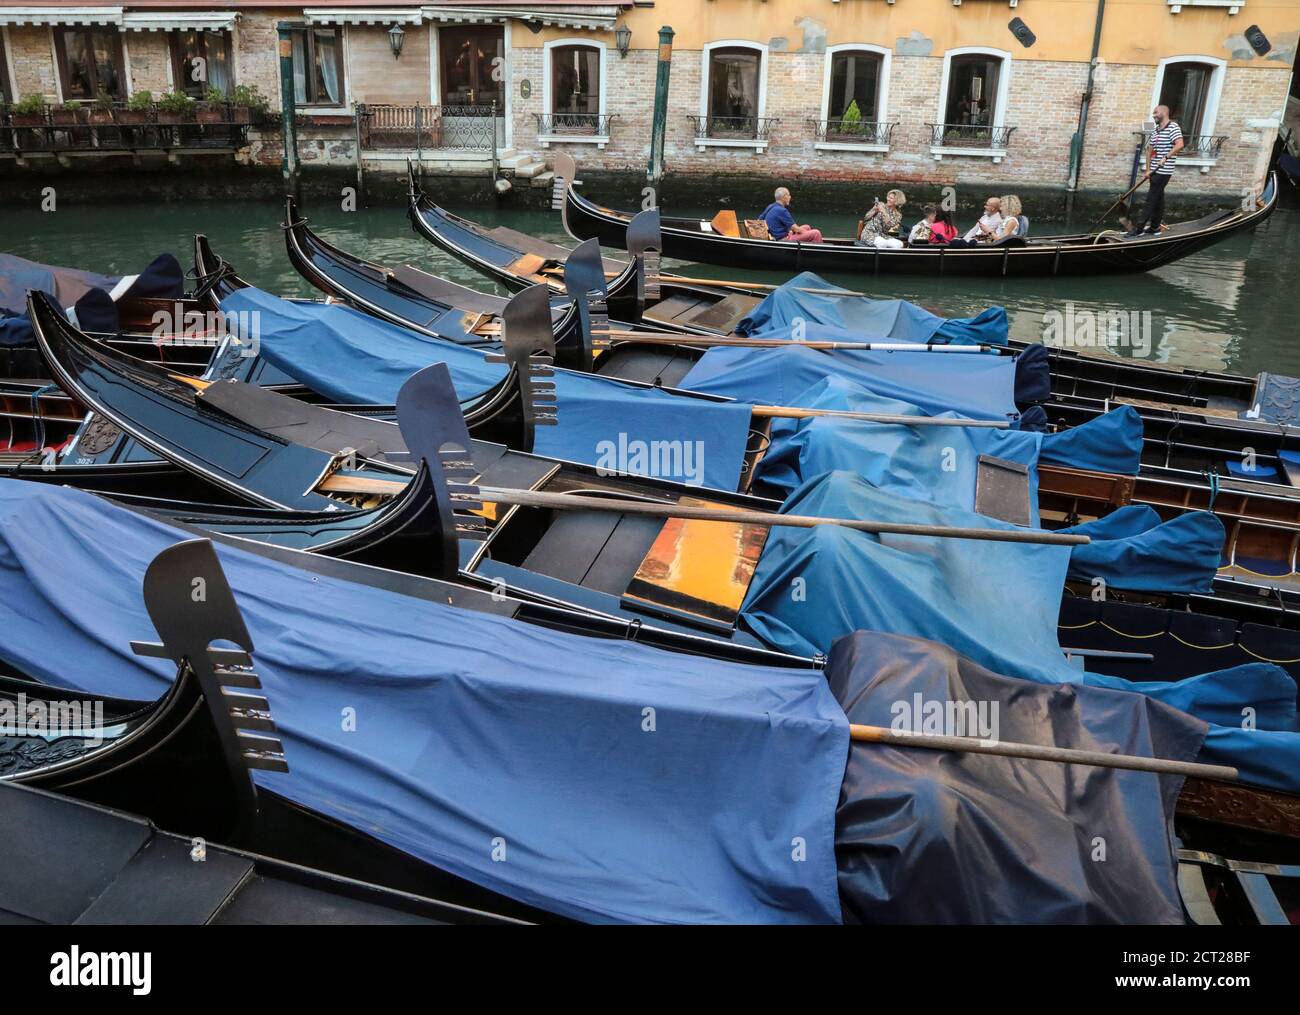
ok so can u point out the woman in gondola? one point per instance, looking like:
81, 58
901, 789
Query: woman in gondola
883, 221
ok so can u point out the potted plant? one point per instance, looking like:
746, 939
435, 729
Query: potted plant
213, 107
174, 107
101, 110
68, 114
29, 111
249, 103
137, 107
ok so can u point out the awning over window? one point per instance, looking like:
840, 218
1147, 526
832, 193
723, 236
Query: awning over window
60, 15
166, 21
363, 15
152, 21
559, 15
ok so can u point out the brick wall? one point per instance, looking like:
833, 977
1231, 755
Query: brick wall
31, 58
149, 55
257, 59
377, 77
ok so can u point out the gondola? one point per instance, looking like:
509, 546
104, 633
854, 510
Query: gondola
1109, 252
510, 258
1237, 820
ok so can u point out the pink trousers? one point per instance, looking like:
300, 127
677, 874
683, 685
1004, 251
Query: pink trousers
805, 235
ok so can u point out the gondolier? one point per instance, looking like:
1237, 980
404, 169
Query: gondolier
1162, 158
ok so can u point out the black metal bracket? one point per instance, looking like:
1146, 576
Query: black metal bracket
584, 277
644, 242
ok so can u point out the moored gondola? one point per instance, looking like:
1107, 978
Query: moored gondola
1109, 252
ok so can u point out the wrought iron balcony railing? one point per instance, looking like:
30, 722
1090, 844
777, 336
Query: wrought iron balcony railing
733, 128
123, 129
1198, 146
447, 128
864, 132
969, 135
576, 124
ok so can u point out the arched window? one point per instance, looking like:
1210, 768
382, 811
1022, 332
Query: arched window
733, 95
855, 101
973, 104
574, 92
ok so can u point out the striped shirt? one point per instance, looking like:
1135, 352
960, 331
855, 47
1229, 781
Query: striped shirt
1162, 142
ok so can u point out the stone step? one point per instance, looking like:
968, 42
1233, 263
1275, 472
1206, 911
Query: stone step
543, 179
530, 170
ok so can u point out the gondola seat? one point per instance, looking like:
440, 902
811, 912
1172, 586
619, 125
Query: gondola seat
757, 229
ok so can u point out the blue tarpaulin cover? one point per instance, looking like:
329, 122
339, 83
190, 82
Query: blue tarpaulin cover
18, 275
1110, 443
969, 384
920, 833
995, 603
473, 728
351, 357
867, 319
1133, 549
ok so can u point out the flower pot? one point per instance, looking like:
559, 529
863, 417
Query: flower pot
242, 114
133, 116
170, 119
101, 117
211, 114
67, 117
28, 119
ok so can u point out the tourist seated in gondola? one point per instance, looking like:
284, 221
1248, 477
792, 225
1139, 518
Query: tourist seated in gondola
921, 232
882, 223
943, 231
781, 224
985, 230
1014, 224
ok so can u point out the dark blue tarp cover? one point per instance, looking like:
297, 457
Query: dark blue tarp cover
472, 727
969, 384
1133, 549
867, 319
1109, 443
18, 275
929, 837
351, 357
995, 603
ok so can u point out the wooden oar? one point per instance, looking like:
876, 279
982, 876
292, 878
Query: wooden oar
346, 484
659, 338
1129, 193
1064, 755
760, 286
788, 412
579, 502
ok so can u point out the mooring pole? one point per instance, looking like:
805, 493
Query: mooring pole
288, 124
655, 170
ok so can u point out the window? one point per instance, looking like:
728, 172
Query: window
201, 60
90, 62
855, 85
972, 90
574, 93
733, 94
1186, 91
1190, 87
473, 57
733, 84
317, 67
972, 104
855, 99
575, 79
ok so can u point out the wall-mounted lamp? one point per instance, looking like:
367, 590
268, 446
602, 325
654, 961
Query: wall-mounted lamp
396, 36
1258, 40
623, 39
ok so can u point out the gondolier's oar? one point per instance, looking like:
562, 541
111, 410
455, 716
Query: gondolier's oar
580, 502
759, 286
659, 338
1064, 755
791, 412
1131, 191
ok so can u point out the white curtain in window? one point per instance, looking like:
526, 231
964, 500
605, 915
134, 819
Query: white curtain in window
299, 67
218, 61
327, 61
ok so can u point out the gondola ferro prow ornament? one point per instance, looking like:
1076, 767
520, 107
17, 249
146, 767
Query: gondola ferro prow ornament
192, 608
644, 242
585, 284
528, 350
565, 170
435, 432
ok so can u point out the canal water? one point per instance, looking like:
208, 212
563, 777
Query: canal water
1228, 308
